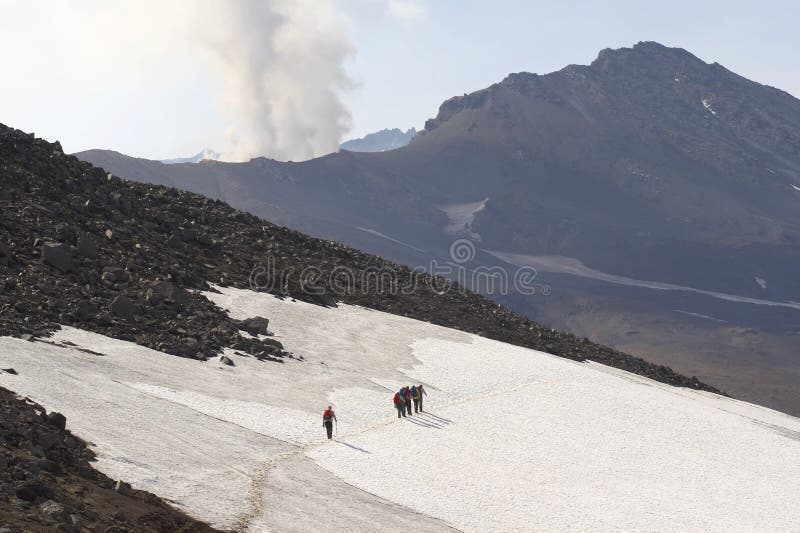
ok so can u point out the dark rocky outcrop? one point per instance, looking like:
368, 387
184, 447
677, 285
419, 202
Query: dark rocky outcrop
47, 482
257, 325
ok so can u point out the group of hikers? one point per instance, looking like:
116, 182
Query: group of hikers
404, 398
403, 401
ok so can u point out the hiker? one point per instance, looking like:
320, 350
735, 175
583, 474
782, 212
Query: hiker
415, 398
401, 401
407, 396
398, 404
421, 392
328, 416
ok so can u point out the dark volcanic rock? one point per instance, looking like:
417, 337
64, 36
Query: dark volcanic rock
58, 256
57, 420
123, 307
86, 247
256, 325
122, 487
5, 254
86, 310
225, 360
33, 491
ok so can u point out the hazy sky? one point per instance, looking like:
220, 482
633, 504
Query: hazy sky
288, 78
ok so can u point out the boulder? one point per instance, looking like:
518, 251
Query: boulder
189, 234
314, 292
86, 310
32, 491
175, 242
47, 441
164, 291
58, 256
54, 510
122, 487
57, 420
9, 371
256, 325
225, 360
114, 275
86, 247
122, 307
5, 254
272, 342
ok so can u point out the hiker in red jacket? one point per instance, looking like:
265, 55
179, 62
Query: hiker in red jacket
399, 405
328, 416
407, 398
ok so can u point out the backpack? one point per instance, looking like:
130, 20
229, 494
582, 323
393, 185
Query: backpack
326, 416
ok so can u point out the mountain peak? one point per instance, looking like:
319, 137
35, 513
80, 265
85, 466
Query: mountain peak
642, 53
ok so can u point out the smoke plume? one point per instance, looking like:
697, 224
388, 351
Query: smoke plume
281, 63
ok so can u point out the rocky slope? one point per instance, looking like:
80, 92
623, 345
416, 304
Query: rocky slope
84, 248
47, 482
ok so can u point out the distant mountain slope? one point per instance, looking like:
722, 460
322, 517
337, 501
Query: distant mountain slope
380, 141
649, 165
78, 247
206, 153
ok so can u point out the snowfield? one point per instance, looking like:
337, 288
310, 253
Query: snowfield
512, 440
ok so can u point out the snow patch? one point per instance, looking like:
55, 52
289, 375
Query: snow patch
460, 218
795, 187
574, 267
699, 315
384, 236
761, 282
707, 105
512, 439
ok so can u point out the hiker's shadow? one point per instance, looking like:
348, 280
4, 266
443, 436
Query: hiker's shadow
429, 420
353, 447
